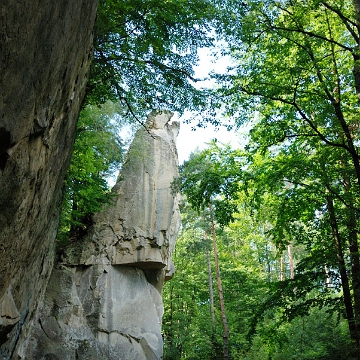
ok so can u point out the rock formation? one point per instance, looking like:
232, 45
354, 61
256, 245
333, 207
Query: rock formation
45, 52
103, 300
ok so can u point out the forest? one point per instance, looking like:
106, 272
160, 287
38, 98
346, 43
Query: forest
267, 261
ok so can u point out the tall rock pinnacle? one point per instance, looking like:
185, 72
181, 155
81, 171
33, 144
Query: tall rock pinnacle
104, 300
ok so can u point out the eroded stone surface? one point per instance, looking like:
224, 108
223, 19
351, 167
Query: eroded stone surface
98, 312
45, 52
141, 225
104, 299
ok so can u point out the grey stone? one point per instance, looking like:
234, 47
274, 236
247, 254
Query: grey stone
141, 225
103, 300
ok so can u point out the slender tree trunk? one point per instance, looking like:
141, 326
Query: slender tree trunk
353, 247
353, 328
356, 73
335, 99
282, 266
355, 265
291, 262
220, 290
356, 70
328, 279
211, 291
269, 269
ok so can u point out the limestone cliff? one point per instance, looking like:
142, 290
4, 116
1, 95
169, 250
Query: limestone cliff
104, 298
45, 52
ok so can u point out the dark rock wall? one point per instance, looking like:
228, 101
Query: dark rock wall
45, 51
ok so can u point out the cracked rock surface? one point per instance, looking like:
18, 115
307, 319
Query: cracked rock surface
104, 300
45, 54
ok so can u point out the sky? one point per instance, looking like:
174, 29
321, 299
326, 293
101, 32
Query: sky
188, 140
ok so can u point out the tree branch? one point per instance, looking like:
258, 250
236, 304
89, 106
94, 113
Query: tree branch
301, 113
314, 35
299, 30
136, 118
329, 189
347, 22
124, 99
159, 64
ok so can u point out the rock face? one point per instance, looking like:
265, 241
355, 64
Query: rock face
141, 226
104, 298
45, 51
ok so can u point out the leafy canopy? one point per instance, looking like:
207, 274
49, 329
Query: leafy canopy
98, 152
211, 177
144, 53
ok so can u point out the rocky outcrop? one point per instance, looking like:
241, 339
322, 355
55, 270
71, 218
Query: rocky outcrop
45, 51
104, 298
141, 226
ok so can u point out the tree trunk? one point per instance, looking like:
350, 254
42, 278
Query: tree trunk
356, 73
356, 70
282, 266
220, 290
211, 291
353, 327
328, 279
291, 261
355, 265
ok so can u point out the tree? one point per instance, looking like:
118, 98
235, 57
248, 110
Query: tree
209, 174
243, 255
187, 315
294, 215
201, 182
144, 52
298, 74
219, 285
211, 291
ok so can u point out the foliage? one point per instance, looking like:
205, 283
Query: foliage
297, 80
211, 177
144, 53
280, 195
98, 152
187, 320
296, 61
243, 252
319, 335
296, 70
